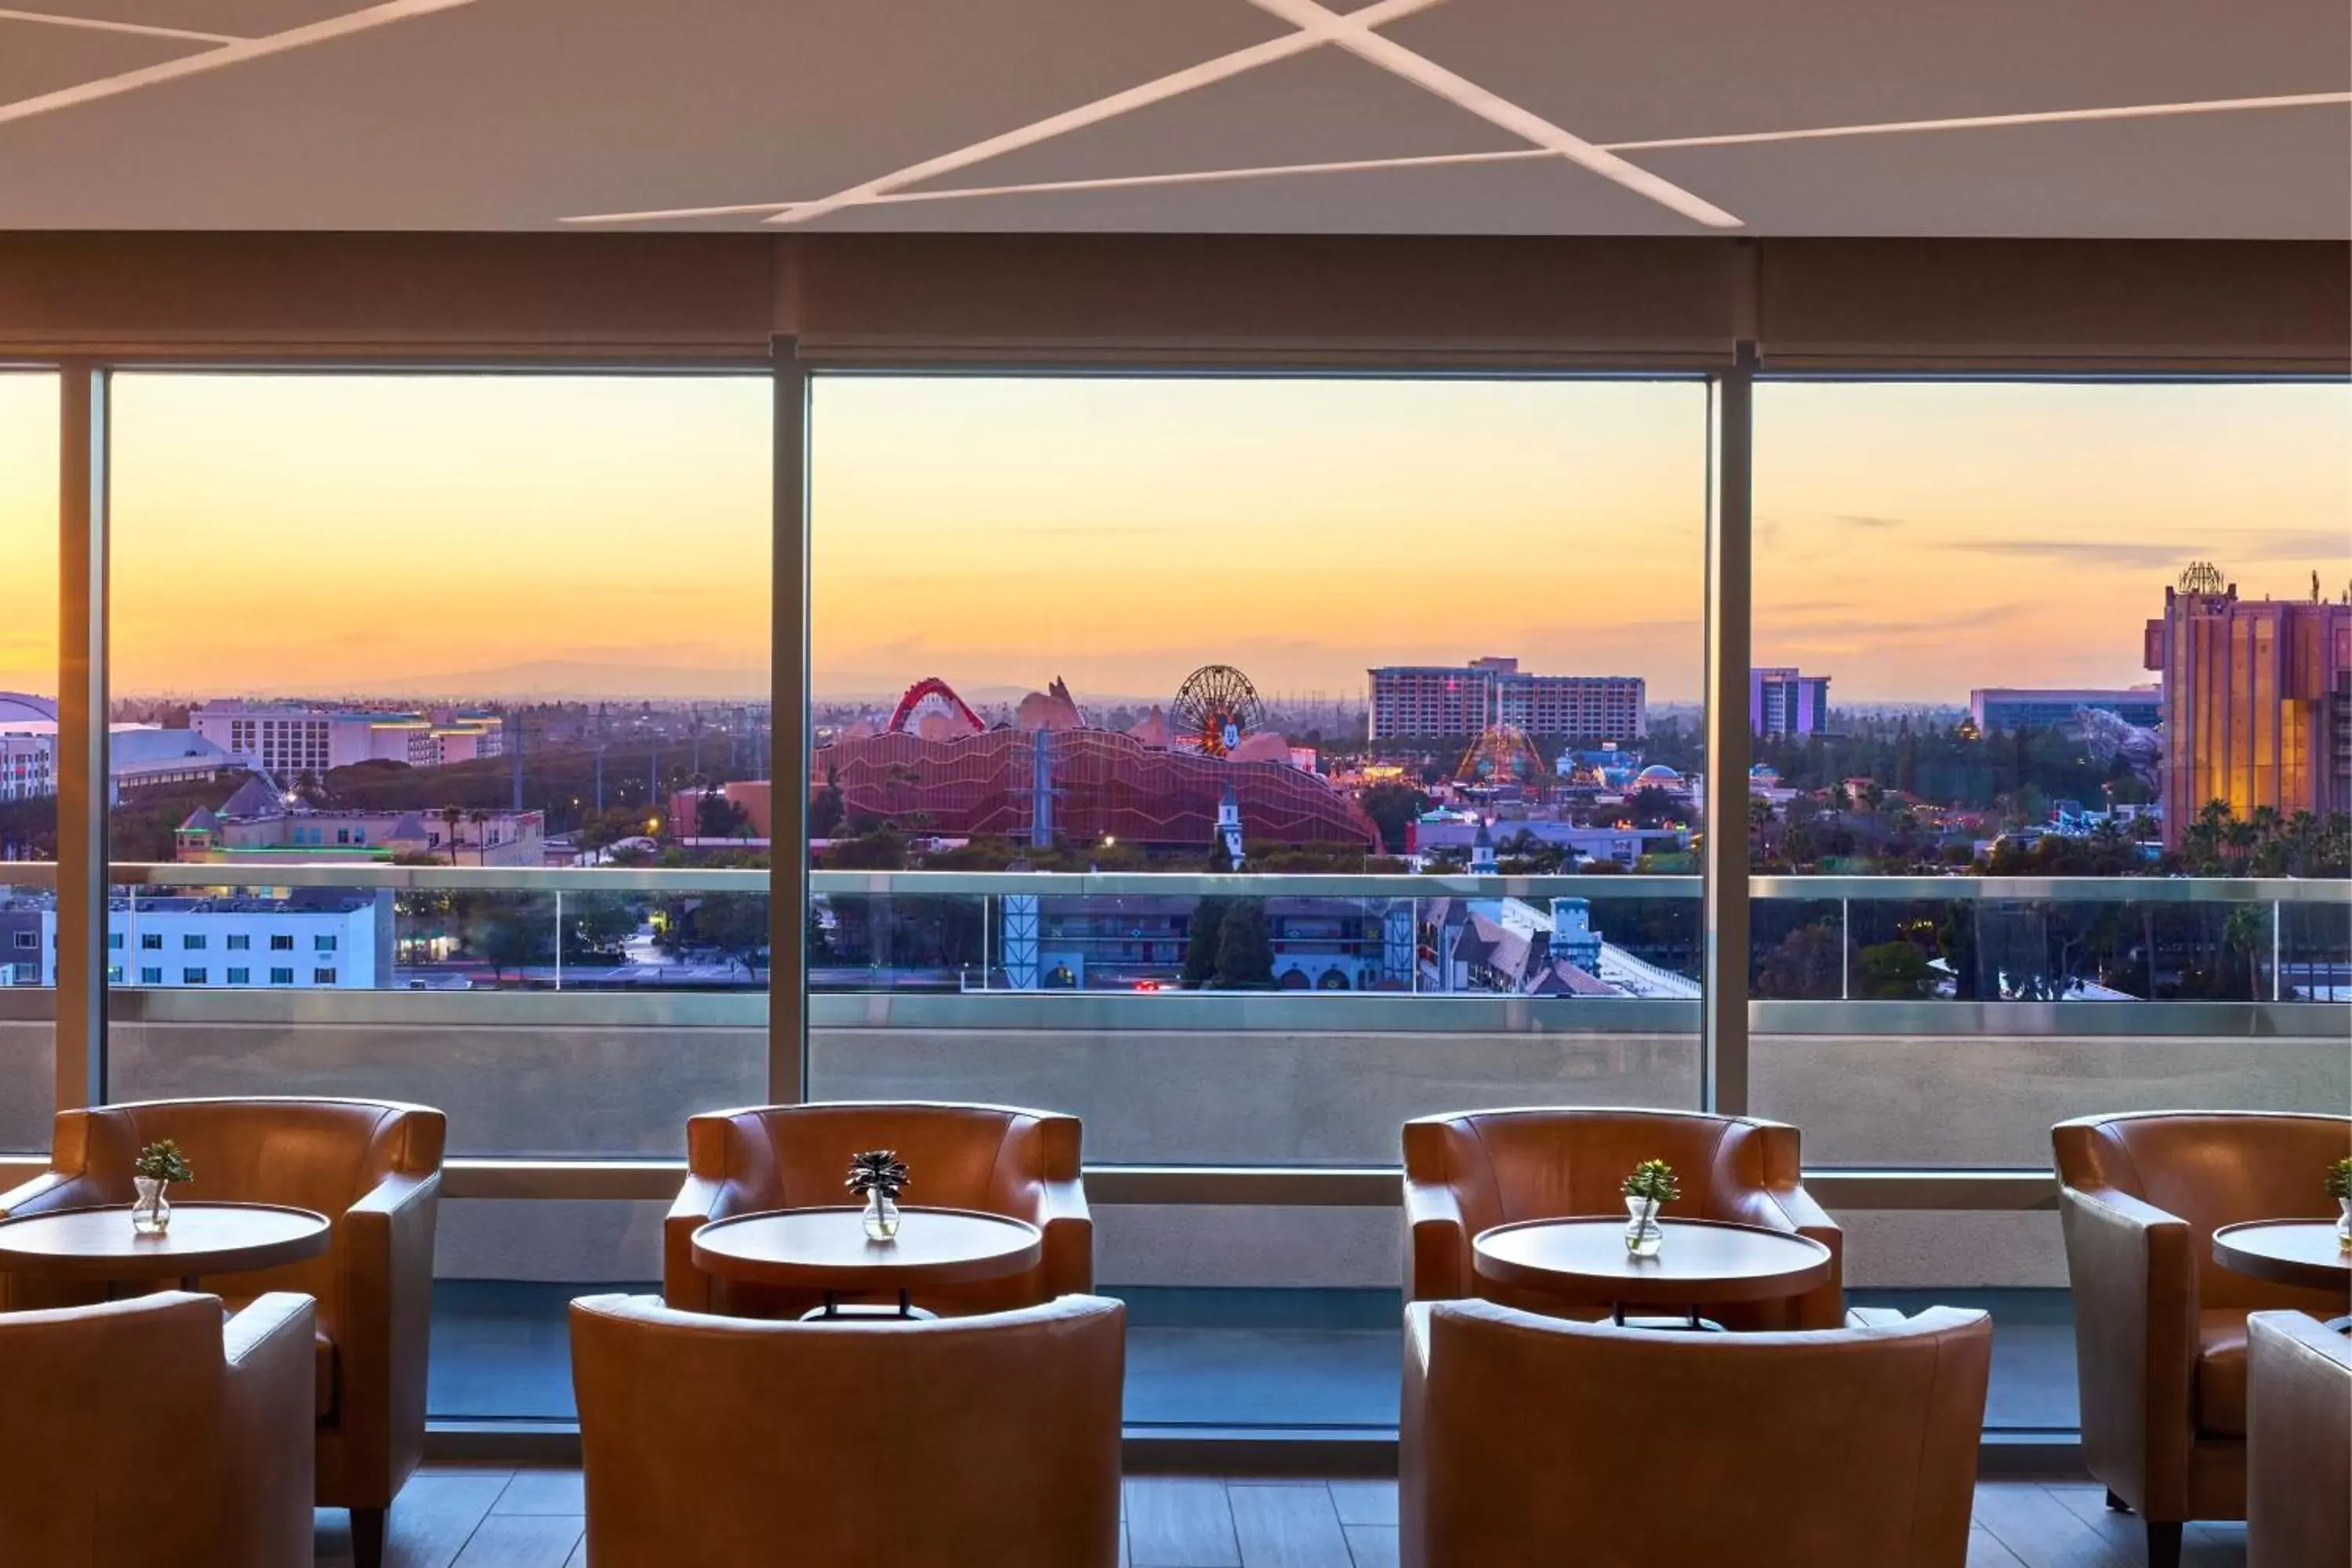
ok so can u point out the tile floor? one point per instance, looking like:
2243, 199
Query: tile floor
455, 1518
1293, 1359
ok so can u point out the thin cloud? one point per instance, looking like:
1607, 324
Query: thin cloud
2258, 545
1932, 621
1866, 520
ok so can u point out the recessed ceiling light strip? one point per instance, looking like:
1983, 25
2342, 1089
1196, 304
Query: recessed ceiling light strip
1496, 110
236, 52
1520, 154
1988, 122
137, 29
1209, 176
1323, 27
1125, 182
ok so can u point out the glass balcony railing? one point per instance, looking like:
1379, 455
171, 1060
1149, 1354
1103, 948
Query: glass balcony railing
1900, 1021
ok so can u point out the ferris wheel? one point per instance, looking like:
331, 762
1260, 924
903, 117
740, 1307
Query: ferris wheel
1216, 708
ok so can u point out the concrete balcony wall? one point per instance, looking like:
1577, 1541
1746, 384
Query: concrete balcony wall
549, 1076
29, 1075
520, 1075
1281, 1097
1982, 1101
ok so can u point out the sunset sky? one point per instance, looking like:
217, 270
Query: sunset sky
439, 535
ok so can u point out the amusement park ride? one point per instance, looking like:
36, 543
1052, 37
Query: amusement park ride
1045, 776
1501, 755
1217, 709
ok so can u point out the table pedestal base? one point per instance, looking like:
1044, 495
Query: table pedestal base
1691, 1324
187, 1282
834, 1309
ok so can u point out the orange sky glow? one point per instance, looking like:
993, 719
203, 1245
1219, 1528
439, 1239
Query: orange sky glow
434, 536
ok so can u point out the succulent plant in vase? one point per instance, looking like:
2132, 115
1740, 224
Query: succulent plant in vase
157, 1166
1650, 1184
879, 1177
2339, 1187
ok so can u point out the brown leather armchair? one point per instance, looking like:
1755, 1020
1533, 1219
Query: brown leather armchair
992, 1438
150, 1431
1471, 1170
2159, 1327
1022, 1164
2298, 1443
1635, 1462
374, 1169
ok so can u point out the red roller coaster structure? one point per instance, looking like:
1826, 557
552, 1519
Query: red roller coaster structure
1104, 785
933, 697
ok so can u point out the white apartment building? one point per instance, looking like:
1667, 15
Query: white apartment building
27, 766
1462, 700
287, 740
223, 943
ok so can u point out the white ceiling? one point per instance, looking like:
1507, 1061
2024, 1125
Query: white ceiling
1437, 116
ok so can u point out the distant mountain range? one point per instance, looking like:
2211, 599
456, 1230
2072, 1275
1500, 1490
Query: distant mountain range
547, 680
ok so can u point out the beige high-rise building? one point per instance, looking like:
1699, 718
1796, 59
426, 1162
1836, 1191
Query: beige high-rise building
2257, 701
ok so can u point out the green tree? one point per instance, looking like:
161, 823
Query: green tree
1807, 965
1245, 948
2242, 937
825, 810
734, 924
506, 937
882, 849
1891, 971
596, 925
1645, 807
1392, 807
453, 817
715, 816
1200, 939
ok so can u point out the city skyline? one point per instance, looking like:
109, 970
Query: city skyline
453, 536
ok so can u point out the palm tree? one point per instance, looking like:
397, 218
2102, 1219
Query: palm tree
480, 819
452, 815
2243, 930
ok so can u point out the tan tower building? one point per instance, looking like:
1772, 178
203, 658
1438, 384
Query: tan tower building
2257, 701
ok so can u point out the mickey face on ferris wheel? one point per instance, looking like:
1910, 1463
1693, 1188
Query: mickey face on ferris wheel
1218, 704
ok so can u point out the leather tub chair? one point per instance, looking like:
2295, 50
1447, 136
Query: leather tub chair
1473, 1170
1533, 1439
371, 1168
941, 1444
2298, 1443
152, 1431
2159, 1327
1020, 1163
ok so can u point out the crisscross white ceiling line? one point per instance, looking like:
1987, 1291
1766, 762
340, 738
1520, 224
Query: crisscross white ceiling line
1377, 50
232, 51
137, 29
1309, 33
1314, 25
1522, 155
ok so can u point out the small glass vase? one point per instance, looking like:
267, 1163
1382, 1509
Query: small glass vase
1643, 1236
881, 1215
2344, 1223
152, 1214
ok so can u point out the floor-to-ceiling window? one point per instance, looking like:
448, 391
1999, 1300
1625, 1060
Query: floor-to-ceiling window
442, 768
28, 739
1248, 765
2054, 758
1437, 641
1386, 641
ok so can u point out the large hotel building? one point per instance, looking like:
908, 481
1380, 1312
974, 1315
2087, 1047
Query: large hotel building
2257, 701
290, 740
1462, 700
